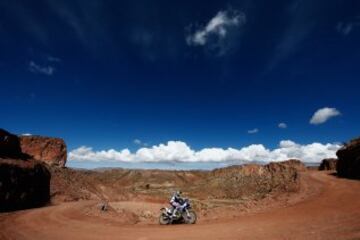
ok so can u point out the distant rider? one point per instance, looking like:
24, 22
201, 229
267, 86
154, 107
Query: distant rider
177, 202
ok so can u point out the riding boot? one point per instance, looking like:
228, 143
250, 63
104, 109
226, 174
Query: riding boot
174, 213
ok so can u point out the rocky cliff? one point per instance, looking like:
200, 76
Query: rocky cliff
24, 176
349, 160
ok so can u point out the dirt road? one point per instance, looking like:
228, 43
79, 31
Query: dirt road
332, 213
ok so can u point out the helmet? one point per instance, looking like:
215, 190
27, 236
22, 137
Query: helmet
178, 193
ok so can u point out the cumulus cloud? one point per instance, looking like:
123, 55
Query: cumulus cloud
282, 125
88, 154
324, 114
217, 30
172, 151
36, 68
178, 151
253, 131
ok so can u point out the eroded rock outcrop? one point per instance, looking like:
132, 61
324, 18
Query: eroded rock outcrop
349, 160
328, 164
23, 184
52, 151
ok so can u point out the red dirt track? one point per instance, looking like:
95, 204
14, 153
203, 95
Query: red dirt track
333, 212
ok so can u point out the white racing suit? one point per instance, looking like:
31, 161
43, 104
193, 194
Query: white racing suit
176, 201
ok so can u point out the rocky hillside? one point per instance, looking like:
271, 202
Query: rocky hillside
237, 182
253, 181
119, 184
349, 160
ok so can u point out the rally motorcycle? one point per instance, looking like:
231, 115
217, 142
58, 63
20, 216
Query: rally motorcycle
185, 215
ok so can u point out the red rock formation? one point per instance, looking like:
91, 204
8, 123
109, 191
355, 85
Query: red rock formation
349, 160
328, 164
52, 151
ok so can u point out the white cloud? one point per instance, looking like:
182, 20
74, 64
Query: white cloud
217, 30
172, 151
324, 114
253, 131
282, 125
314, 152
177, 151
46, 70
139, 142
287, 144
26, 134
87, 154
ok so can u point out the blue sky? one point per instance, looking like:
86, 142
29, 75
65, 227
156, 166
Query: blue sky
102, 74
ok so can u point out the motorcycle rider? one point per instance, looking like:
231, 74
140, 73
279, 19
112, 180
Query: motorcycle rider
176, 202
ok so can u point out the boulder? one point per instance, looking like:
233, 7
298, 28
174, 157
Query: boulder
52, 151
328, 164
23, 184
348, 164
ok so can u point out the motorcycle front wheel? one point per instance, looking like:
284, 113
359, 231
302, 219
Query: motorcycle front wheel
190, 218
164, 220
